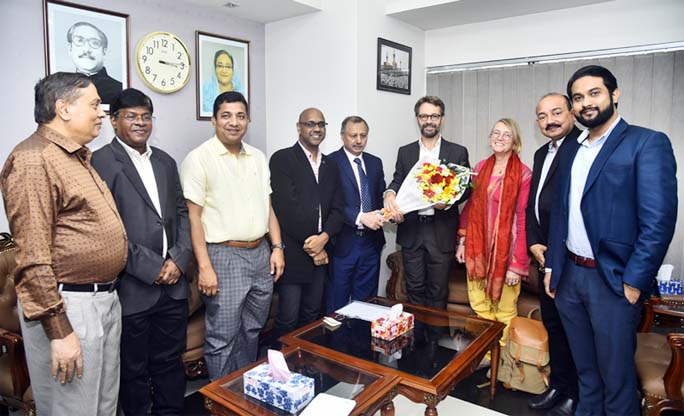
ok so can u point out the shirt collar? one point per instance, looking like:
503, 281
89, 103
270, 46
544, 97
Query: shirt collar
222, 150
554, 149
351, 157
57, 138
436, 148
134, 153
308, 154
582, 139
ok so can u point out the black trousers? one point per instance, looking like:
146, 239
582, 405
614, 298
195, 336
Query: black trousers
563, 371
300, 304
426, 269
152, 371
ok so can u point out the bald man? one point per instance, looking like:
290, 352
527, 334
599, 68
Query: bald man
308, 203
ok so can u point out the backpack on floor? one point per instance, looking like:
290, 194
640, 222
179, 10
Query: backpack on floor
524, 362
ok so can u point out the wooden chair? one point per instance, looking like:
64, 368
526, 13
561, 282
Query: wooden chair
660, 358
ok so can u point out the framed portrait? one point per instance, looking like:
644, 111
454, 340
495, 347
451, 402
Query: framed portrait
88, 40
222, 64
394, 67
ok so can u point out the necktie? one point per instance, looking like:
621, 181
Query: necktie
365, 192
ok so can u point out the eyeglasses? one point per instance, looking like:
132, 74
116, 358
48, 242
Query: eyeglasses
433, 117
132, 117
495, 134
94, 43
312, 124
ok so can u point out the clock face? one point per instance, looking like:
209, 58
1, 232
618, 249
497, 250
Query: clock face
163, 62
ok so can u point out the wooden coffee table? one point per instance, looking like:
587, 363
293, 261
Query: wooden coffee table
443, 348
371, 390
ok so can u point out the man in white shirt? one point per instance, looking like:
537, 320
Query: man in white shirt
153, 289
610, 229
555, 121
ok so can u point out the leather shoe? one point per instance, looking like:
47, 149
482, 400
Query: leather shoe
545, 400
564, 407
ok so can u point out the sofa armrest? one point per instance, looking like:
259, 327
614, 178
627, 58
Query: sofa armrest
674, 376
396, 265
12, 345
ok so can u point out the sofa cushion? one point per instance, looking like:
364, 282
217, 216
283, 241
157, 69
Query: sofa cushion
653, 356
9, 319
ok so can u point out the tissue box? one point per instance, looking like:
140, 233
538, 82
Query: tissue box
390, 347
388, 329
672, 287
289, 396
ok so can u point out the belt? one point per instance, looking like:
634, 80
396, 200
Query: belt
360, 233
582, 261
242, 244
89, 287
426, 218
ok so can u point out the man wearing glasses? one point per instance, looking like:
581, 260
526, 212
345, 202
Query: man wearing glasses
88, 47
153, 289
308, 202
427, 237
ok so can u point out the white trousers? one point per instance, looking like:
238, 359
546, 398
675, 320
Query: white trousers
96, 320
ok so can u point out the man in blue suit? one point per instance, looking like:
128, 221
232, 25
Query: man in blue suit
610, 229
356, 257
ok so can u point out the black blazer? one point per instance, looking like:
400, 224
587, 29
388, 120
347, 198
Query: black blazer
143, 224
352, 200
296, 197
538, 231
446, 221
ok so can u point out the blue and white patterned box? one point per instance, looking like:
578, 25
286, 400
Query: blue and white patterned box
290, 396
673, 287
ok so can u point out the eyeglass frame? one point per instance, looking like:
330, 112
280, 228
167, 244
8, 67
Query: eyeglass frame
85, 40
432, 117
133, 117
313, 124
495, 134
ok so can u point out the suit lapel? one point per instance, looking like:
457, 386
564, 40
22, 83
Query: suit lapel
609, 146
131, 172
304, 161
161, 179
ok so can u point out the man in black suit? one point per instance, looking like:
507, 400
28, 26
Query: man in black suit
555, 121
153, 291
308, 203
427, 237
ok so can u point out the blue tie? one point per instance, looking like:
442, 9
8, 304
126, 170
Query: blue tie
365, 192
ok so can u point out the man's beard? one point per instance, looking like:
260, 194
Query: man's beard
602, 116
427, 134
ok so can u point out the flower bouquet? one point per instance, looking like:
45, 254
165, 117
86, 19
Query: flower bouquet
430, 183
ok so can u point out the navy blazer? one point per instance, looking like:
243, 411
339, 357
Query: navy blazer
446, 221
352, 200
296, 196
629, 207
538, 231
144, 226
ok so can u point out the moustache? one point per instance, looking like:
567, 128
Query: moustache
86, 54
434, 126
584, 110
551, 126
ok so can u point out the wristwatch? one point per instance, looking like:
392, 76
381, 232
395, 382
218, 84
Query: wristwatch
280, 245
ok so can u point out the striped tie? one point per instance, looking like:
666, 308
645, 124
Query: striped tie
365, 192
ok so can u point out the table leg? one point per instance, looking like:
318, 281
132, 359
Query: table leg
387, 409
430, 411
496, 349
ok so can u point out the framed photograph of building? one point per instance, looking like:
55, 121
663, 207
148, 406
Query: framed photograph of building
394, 67
222, 64
90, 41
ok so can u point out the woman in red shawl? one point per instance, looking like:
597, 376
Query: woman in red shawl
492, 239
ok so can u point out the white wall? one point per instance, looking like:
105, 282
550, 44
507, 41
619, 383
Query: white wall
615, 24
176, 128
327, 60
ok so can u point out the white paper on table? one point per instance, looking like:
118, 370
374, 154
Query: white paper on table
327, 405
364, 311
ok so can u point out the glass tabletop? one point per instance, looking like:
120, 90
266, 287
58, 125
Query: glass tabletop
435, 341
334, 378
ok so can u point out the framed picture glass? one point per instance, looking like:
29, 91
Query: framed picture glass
88, 40
222, 65
394, 67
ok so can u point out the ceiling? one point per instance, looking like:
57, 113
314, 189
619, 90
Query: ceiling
425, 14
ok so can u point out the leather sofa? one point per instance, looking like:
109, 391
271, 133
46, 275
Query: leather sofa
457, 300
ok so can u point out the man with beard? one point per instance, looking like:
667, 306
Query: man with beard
88, 47
308, 202
427, 237
555, 121
609, 232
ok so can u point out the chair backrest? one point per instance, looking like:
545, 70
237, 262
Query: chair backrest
8, 296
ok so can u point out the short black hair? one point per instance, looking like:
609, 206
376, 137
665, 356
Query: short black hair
352, 119
223, 52
557, 94
594, 71
229, 97
101, 34
128, 98
65, 86
430, 99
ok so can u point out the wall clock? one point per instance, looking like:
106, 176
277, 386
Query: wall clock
163, 62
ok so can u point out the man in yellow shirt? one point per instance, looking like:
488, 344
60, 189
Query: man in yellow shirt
227, 189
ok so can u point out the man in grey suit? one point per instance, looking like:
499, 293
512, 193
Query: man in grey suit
153, 291
427, 237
